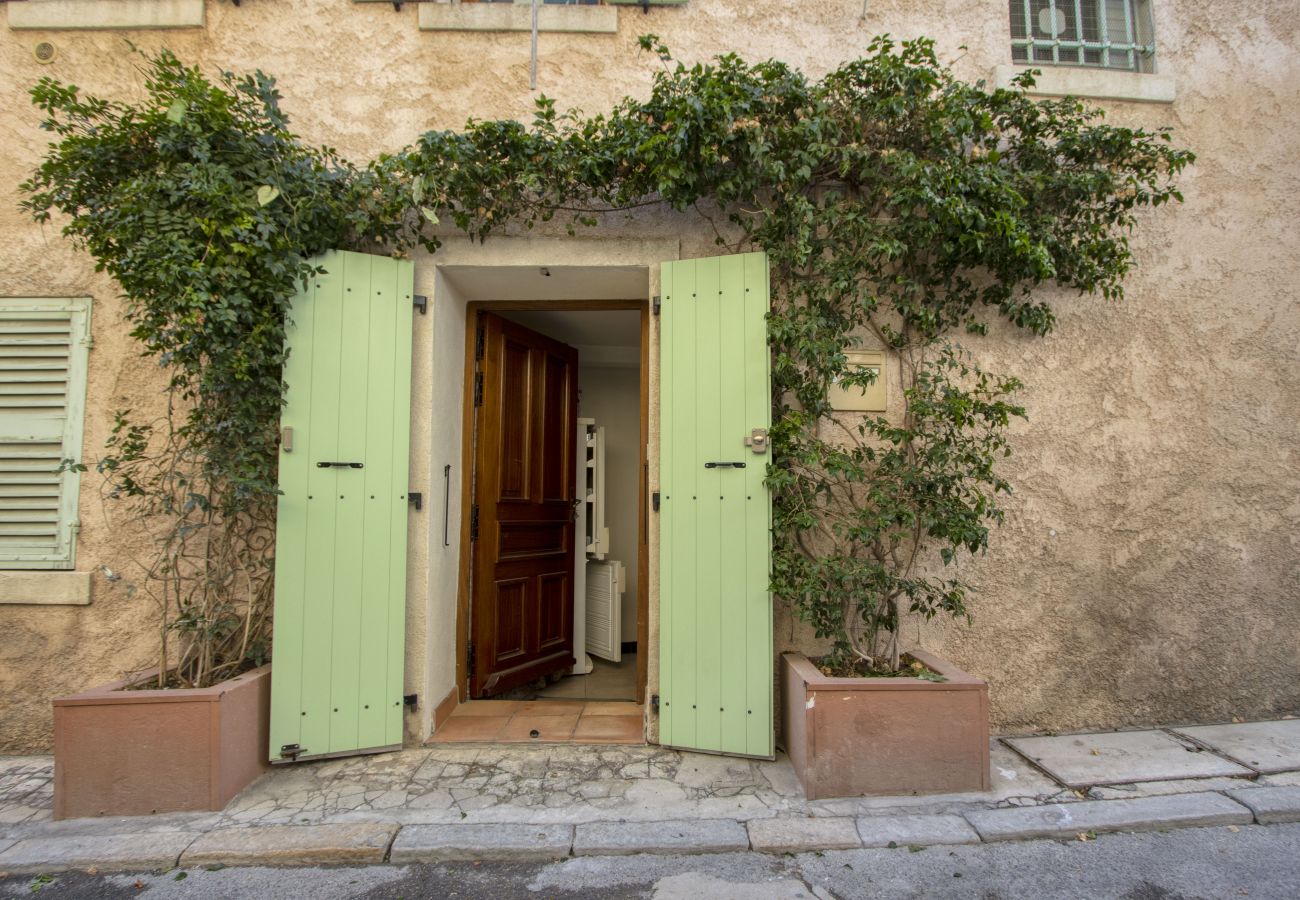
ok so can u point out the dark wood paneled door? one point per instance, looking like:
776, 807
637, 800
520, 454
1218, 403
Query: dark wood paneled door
522, 529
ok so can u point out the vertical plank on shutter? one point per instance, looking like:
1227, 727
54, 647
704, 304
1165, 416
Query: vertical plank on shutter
322, 492
684, 549
347, 553
667, 435
404, 285
758, 513
382, 310
291, 527
734, 588
708, 578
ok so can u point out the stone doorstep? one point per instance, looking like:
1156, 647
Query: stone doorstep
1271, 805
509, 842
673, 837
108, 853
291, 845
1066, 820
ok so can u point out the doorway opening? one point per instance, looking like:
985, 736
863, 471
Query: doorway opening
554, 604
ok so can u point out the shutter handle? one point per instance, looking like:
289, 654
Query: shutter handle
724, 465
340, 465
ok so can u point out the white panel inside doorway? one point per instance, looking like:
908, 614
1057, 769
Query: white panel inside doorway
605, 610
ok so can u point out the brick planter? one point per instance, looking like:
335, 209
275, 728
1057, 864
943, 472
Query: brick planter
130, 753
847, 737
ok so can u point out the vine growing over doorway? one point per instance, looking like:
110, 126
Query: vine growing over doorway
898, 206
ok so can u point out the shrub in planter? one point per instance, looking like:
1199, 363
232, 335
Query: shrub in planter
893, 492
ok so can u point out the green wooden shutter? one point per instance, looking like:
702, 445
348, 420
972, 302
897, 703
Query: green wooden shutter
44, 344
340, 567
715, 632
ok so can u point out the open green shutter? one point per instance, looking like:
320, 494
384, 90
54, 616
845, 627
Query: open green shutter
340, 567
44, 345
715, 636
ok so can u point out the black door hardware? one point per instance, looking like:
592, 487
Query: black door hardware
724, 465
340, 465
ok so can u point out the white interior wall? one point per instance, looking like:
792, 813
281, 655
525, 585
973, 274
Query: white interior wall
611, 396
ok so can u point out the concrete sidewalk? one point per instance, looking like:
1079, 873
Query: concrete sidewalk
541, 802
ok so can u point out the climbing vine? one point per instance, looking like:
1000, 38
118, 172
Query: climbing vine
897, 204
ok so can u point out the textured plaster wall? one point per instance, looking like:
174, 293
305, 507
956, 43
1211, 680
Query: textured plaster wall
1148, 568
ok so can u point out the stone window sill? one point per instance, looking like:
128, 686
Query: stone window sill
100, 15
1095, 84
45, 588
518, 17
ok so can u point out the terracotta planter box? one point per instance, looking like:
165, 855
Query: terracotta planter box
134, 753
852, 736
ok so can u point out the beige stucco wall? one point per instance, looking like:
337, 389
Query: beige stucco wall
1148, 567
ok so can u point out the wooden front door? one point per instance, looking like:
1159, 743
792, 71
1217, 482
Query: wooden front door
521, 521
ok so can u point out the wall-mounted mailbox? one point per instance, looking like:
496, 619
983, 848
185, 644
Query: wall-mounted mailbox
868, 398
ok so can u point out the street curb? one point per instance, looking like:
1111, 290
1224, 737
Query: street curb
1271, 805
504, 842
370, 844
291, 845
137, 852
1066, 820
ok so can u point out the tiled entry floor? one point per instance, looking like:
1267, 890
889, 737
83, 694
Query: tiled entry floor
543, 722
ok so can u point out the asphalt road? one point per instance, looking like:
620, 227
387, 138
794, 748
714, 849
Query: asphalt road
1192, 864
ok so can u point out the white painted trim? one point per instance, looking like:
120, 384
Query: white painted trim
99, 15
1094, 84
517, 17
45, 588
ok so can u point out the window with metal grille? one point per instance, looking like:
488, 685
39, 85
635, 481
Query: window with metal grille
43, 354
1108, 34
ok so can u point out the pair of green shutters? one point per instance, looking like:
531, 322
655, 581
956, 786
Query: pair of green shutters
337, 679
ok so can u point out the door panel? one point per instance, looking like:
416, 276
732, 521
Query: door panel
716, 661
340, 576
521, 618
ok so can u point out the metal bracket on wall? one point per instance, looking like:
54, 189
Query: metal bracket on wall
654, 501
417, 498
421, 303
655, 303
411, 700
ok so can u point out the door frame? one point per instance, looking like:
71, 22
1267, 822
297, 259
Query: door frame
463, 599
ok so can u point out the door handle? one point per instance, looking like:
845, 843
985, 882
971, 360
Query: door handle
340, 465
724, 465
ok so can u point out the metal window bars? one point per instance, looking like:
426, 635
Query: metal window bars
1109, 34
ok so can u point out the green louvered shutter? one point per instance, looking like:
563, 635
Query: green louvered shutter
44, 345
715, 631
340, 566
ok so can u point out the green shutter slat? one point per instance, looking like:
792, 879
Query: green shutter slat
715, 535
401, 453
341, 533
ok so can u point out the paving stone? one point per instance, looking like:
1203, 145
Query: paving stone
291, 845
803, 835
1066, 820
1084, 760
924, 831
427, 843
1267, 747
1271, 805
697, 836
115, 852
